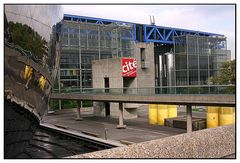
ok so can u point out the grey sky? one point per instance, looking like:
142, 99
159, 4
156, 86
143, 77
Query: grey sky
208, 18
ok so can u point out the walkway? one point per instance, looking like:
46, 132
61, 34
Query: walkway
138, 130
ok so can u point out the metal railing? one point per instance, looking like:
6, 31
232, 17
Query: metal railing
200, 89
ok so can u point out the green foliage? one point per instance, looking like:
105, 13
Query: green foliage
68, 104
28, 39
53, 104
227, 74
195, 90
87, 103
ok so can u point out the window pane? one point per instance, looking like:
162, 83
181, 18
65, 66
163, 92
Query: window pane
181, 78
193, 61
193, 77
181, 62
203, 61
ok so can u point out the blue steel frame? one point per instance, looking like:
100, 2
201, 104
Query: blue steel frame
152, 33
100, 21
161, 34
94, 20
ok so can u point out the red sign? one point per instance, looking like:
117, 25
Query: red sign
129, 67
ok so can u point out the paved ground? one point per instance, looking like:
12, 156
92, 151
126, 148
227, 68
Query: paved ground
138, 130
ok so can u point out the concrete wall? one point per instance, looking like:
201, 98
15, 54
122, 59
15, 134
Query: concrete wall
145, 76
111, 68
209, 143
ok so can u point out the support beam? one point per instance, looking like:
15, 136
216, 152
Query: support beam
175, 99
79, 117
59, 104
121, 125
189, 118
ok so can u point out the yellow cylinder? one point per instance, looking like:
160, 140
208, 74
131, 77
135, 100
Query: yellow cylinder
212, 116
233, 115
152, 113
162, 114
172, 111
226, 116
27, 72
42, 82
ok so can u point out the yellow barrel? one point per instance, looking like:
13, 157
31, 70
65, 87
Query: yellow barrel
226, 116
162, 114
212, 116
152, 113
172, 111
233, 115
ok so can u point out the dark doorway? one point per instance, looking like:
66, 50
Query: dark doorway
107, 104
127, 82
107, 109
106, 85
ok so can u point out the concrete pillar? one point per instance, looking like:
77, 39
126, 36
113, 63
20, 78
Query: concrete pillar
189, 118
79, 117
59, 104
121, 125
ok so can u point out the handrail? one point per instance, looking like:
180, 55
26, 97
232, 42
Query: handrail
196, 89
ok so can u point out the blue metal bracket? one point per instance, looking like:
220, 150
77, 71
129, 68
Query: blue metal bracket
94, 20
99, 22
161, 34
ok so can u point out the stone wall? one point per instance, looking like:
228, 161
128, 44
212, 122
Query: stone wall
209, 143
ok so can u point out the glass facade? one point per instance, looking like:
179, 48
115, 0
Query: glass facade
191, 60
82, 42
197, 58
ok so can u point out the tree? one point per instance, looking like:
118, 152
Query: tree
28, 39
227, 74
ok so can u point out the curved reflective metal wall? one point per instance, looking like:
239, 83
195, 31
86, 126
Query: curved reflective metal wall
41, 18
31, 60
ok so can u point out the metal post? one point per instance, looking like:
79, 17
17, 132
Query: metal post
99, 44
79, 117
80, 62
80, 57
121, 125
189, 118
68, 40
105, 133
59, 89
117, 41
120, 43
187, 39
174, 67
198, 51
208, 70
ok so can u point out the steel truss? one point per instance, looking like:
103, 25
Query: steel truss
152, 33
